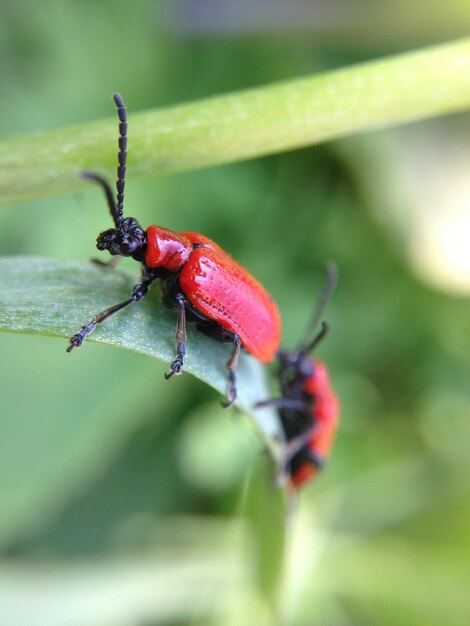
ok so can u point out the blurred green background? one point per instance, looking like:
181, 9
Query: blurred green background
126, 500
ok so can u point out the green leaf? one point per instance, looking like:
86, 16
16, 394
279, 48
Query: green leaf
242, 125
56, 297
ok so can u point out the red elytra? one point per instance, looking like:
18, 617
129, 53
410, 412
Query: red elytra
200, 280
218, 287
324, 419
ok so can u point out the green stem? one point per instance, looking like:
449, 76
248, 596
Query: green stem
245, 124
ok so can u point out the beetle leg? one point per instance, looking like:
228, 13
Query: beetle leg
293, 447
176, 366
111, 264
298, 442
232, 366
283, 403
139, 292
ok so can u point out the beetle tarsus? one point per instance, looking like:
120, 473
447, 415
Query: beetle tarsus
231, 391
232, 366
76, 341
176, 366
139, 292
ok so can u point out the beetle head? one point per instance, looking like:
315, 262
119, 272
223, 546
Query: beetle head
128, 239
295, 365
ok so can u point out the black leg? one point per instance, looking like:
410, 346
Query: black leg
293, 447
284, 403
232, 366
139, 292
109, 265
176, 366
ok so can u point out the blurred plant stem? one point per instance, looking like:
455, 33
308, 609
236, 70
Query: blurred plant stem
265, 509
246, 124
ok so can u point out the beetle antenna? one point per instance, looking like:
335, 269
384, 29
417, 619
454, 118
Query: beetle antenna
328, 287
103, 183
324, 330
122, 158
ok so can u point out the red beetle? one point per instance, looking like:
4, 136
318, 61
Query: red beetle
201, 281
308, 406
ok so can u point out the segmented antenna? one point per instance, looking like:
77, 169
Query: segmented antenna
308, 344
122, 155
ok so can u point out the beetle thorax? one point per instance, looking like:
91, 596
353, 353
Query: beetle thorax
166, 249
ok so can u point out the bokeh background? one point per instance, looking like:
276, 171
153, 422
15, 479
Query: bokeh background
126, 500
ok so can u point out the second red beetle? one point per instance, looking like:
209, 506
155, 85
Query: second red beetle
201, 281
308, 406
